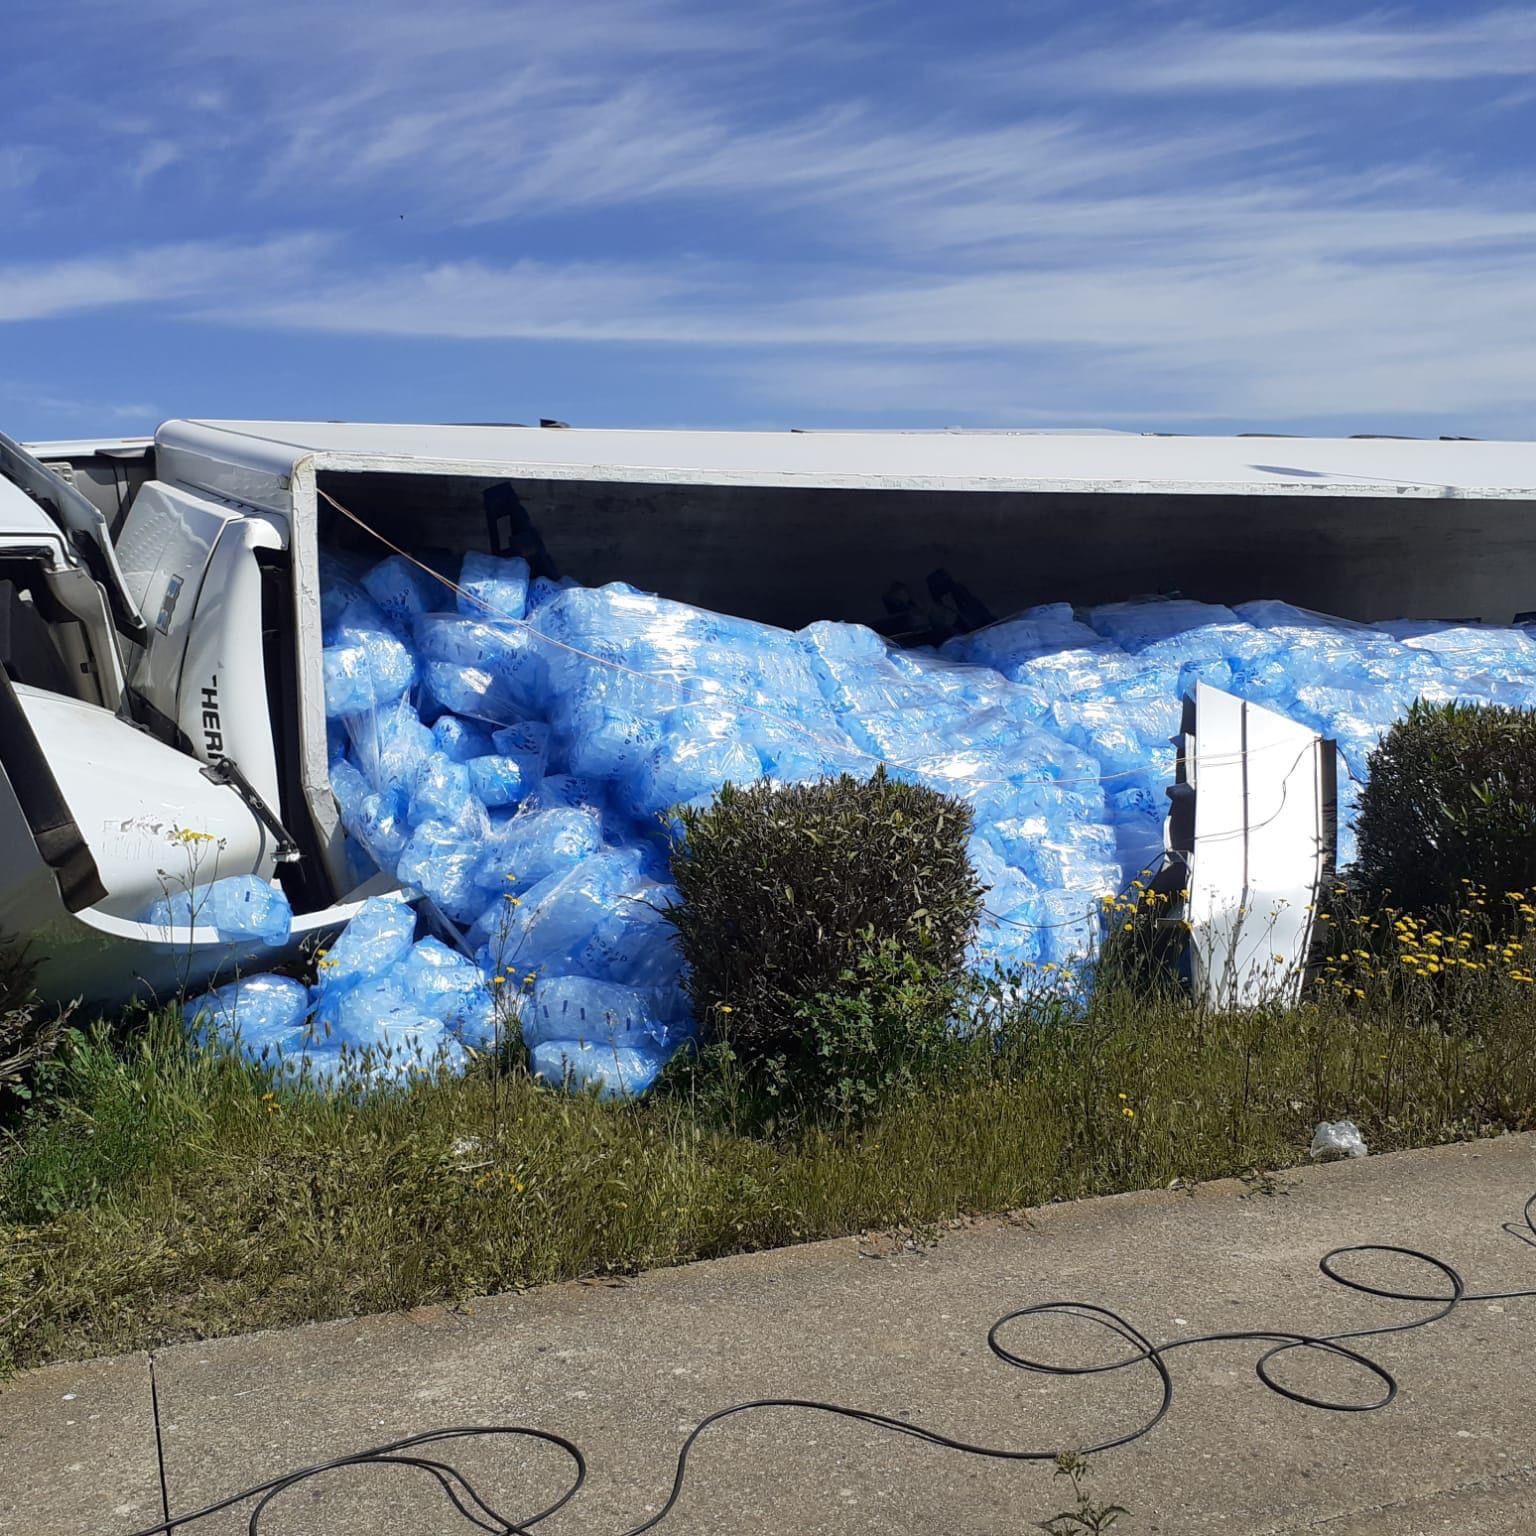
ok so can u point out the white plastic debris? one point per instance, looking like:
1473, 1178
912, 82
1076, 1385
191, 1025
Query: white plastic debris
1336, 1139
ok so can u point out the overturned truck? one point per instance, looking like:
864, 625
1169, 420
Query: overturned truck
161, 613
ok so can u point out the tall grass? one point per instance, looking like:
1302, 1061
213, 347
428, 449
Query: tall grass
159, 1193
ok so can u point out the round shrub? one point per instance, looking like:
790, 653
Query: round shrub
796, 895
1451, 798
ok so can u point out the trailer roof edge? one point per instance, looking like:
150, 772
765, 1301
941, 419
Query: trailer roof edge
255, 460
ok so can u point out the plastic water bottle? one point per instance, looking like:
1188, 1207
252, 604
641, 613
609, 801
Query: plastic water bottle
534, 844
402, 590
451, 988
441, 860
444, 793
460, 739
492, 585
499, 780
366, 671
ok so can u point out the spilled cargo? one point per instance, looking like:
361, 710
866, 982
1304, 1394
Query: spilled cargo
511, 749
236, 684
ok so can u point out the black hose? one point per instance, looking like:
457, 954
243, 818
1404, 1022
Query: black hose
477, 1513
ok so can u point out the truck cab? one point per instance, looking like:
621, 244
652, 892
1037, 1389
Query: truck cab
110, 804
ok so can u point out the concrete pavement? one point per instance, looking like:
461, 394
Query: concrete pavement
626, 1369
77, 1449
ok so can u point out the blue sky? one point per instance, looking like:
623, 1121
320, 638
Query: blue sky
1180, 216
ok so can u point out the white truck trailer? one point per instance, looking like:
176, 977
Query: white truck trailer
160, 613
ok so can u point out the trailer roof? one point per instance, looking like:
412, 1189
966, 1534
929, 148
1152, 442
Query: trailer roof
241, 457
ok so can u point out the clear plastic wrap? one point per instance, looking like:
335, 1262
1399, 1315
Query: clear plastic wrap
264, 1016
237, 907
376, 939
614, 1072
1335, 1140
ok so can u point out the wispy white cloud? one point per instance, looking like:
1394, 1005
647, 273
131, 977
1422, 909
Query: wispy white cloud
478, 113
1383, 48
577, 112
528, 300
156, 155
734, 184
66, 408
191, 270
1282, 340
467, 109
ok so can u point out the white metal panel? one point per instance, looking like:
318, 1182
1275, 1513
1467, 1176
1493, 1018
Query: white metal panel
314, 745
125, 790
228, 462
255, 460
129, 793
1263, 842
24, 526
221, 695
104, 959
164, 549
81, 518
86, 447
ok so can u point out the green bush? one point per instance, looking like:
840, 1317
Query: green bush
886, 1029
1451, 799
787, 893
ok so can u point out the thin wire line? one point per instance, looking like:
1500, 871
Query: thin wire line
1449, 1293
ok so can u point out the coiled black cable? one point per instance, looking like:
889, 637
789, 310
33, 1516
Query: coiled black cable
476, 1512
